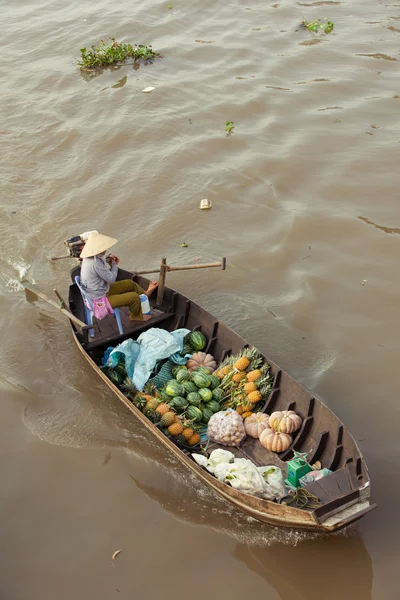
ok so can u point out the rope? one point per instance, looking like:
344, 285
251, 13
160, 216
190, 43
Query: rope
303, 499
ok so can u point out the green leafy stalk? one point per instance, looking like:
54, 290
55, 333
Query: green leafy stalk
229, 125
318, 25
114, 52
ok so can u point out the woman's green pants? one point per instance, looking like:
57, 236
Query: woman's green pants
126, 293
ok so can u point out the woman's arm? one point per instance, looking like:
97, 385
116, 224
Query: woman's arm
109, 275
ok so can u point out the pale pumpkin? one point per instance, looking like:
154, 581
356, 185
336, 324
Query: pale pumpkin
275, 441
256, 424
285, 421
201, 359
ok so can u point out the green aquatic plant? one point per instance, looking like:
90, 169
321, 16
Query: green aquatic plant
318, 25
229, 125
113, 52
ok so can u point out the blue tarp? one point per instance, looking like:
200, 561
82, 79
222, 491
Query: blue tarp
142, 355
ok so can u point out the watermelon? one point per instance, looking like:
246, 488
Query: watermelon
182, 375
202, 380
115, 376
207, 414
205, 394
213, 405
173, 388
218, 394
164, 396
187, 349
196, 339
193, 398
189, 386
178, 403
120, 368
214, 382
194, 414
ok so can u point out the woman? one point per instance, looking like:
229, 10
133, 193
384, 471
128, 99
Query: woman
99, 272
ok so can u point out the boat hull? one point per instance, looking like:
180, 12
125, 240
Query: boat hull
265, 511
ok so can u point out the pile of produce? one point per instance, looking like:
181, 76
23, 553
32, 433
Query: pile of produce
226, 400
183, 406
245, 382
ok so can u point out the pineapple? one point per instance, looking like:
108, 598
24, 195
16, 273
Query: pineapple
247, 407
162, 409
187, 433
195, 439
254, 375
220, 374
240, 409
167, 419
175, 429
129, 388
150, 413
152, 403
226, 370
239, 376
254, 397
139, 402
242, 363
151, 390
250, 387
246, 414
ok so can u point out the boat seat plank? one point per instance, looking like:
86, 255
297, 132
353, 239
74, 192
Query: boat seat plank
318, 491
134, 329
343, 481
334, 485
329, 508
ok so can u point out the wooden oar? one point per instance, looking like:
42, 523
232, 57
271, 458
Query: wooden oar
36, 293
169, 269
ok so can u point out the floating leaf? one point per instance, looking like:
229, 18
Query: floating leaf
148, 90
184, 245
114, 556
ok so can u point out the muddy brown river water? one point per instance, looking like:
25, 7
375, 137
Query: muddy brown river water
305, 207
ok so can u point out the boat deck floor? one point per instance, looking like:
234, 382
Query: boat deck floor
106, 330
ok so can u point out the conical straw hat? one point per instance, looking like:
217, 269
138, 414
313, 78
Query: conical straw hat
96, 244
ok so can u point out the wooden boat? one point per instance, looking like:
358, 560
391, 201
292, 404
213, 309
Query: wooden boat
344, 494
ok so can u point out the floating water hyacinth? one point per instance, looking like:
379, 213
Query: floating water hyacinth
318, 26
113, 52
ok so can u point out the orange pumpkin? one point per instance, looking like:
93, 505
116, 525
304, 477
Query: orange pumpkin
201, 359
275, 441
285, 421
256, 424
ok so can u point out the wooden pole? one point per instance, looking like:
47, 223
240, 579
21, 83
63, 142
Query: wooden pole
161, 282
188, 267
221, 264
61, 257
34, 290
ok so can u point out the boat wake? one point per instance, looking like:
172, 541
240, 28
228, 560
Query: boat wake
13, 284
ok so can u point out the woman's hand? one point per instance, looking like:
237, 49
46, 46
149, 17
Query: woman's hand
113, 259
